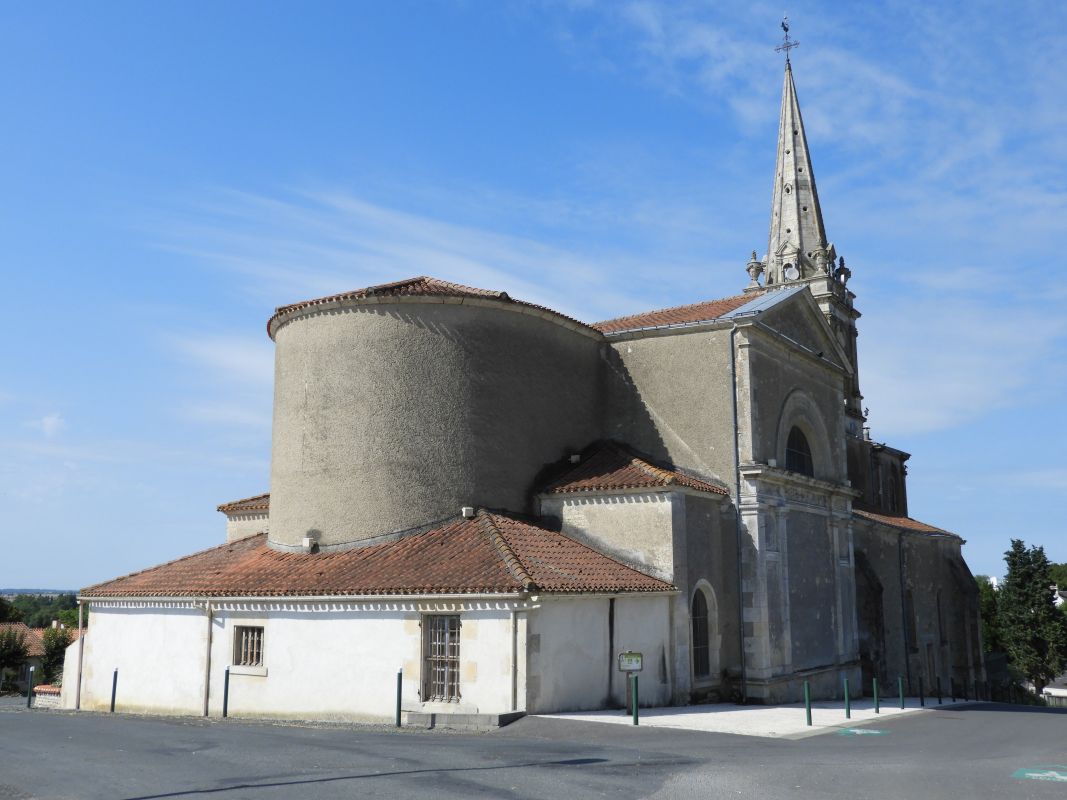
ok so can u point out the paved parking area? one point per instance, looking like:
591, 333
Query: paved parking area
785, 721
974, 752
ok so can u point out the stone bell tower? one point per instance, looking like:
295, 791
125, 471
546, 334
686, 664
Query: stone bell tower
798, 251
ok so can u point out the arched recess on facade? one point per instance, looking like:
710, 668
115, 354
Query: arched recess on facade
800, 414
705, 639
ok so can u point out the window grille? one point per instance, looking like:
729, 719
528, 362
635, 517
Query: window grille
440, 657
701, 656
248, 646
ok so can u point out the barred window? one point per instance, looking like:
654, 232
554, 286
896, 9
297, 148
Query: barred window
247, 646
440, 663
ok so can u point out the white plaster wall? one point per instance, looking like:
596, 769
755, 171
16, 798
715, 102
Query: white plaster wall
241, 526
569, 658
319, 664
159, 654
642, 623
635, 528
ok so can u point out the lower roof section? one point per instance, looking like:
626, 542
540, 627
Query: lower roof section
904, 523
489, 553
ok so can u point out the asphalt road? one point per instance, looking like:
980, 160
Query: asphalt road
970, 752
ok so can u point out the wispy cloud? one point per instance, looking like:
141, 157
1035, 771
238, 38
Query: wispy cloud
49, 425
307, 242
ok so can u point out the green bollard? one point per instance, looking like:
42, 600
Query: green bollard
807, 701
634, 679
939, 699
874, 683
900, 689
399, 693
29, 689
922, 693
848, 702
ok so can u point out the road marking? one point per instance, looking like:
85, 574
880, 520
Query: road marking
1057, 773
861, 732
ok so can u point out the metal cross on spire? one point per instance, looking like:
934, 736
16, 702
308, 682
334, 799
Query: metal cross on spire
787, 43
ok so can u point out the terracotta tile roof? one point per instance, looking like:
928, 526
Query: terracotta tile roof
906, 523
611, 467
31, 637
261, 502
47, 688
679, 315
490, 553
421, 286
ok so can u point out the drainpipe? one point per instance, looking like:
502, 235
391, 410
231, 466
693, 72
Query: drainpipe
207, 657
514, 660
81, 651
737, 517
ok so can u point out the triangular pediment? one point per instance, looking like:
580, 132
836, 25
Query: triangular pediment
799, 319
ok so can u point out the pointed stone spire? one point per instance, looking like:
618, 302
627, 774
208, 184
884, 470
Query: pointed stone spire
798, 248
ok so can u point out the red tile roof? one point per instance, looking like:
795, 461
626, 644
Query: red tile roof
906, 523
490, 553
261, 502
679, 315
610, 467
31, 637
421, 286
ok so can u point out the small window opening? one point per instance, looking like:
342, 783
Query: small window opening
247, 646
798, 454
701, 654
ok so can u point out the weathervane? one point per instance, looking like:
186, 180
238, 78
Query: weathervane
787, 43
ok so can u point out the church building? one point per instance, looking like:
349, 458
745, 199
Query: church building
497, 501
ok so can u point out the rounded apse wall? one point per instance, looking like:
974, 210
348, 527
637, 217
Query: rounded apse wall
395, 414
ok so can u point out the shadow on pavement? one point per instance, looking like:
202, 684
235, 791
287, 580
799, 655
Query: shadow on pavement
570, 762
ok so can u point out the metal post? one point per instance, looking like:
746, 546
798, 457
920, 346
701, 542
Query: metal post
29, 689
848, 702
922, 693
900, 689
966, 698
939, 698
807, 701
399, 693
226, 694
877, 710
952, 688
634, 678
114, 687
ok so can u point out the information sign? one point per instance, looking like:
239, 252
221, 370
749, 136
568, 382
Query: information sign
631, 661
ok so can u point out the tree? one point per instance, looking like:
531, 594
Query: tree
1033, 631
8, 612
12, 649
1058, 573
987, 603
55, 649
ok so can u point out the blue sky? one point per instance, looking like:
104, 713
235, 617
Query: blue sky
174, 171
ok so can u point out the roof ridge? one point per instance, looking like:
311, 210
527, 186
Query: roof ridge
230, 503
172, 561
507, 554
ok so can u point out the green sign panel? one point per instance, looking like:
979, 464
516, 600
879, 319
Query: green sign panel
1056, 773
861, 732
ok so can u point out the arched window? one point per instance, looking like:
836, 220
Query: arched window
701, 654
798, 454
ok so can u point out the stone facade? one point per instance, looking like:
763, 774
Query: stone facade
717, 449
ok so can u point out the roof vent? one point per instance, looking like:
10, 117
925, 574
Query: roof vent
309, 544
575, 458
467, 512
